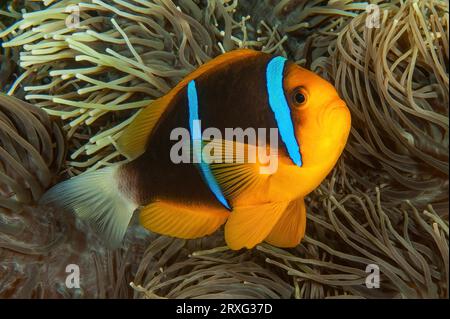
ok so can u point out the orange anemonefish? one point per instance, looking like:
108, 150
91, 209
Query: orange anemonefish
239, 89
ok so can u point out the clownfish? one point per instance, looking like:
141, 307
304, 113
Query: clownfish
242, 89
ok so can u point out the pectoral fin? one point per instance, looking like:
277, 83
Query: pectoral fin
182, 221
249, 226
290, 228
234, 165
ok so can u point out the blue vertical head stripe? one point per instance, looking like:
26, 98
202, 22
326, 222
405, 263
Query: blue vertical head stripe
196, 136
280, 107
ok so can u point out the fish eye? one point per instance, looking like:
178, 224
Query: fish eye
299, 97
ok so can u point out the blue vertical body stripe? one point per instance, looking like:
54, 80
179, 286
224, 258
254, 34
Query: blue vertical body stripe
196, 137
280, 107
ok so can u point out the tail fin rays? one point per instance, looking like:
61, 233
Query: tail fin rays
95, 198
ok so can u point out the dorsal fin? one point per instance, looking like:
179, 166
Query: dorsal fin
134, 138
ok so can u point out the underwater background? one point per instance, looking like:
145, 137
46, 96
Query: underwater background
75, 73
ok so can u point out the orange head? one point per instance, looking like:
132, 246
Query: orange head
321, 118
321, 123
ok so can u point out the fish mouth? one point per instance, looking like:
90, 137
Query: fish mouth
336, 115
337, 104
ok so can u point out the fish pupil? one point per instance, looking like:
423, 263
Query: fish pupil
299, 98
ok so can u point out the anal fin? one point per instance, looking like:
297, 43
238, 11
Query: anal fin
182, 221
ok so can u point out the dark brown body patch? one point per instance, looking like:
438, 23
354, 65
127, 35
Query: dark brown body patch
230, 96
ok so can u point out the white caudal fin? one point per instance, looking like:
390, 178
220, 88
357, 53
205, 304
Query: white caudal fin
95, 198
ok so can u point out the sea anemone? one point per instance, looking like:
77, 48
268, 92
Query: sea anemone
394, 78
32, 150
384, 206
